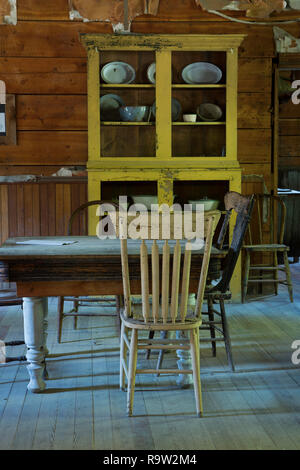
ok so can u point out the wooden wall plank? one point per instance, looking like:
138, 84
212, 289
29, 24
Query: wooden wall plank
52, 209
251, 46
59, 148
254, 110
52, 112
41, 83
61, 39
7, 170
20, 210
255, 75
254, 145
289, 110
289, 146
12, 210
51, 65
28, 210
47, 39
4, 213
37, 10
44, 209
289, 127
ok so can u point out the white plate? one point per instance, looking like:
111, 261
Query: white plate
151, 70
201, 72
118, 72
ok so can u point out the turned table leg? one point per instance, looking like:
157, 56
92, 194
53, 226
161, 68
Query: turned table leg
34, 313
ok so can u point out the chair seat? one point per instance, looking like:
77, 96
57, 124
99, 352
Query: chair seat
267, 247
217, 295
137, 322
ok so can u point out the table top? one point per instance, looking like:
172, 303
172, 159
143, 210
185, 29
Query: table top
76, 246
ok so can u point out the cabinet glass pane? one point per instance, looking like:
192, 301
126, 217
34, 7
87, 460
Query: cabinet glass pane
123, 135
182, 59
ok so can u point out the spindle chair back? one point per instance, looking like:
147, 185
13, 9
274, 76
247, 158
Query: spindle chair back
165, 266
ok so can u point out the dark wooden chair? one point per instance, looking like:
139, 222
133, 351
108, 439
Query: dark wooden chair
216, 295
266, 234
79, 300
8, 298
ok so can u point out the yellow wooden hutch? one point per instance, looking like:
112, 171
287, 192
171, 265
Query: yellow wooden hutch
159, 156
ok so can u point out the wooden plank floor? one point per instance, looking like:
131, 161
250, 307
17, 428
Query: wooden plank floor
257, 407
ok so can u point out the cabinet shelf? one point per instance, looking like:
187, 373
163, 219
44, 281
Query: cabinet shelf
204, 123
126, 123
206, 85
126, 85
148, 85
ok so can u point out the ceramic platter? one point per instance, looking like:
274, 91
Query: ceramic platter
151, 72
176, 109
201, 72
117, 72
109, 107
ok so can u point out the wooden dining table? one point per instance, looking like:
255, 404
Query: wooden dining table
44, 267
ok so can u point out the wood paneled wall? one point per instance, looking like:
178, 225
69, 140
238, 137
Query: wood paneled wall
41, 208
44, 65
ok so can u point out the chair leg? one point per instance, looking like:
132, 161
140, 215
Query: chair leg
151, 336
226, 335
60, 311
195, 353
288, 275
132, 371
246, 276
75, 318
211, 327
163, 335
275, 262
123, 355
119, 304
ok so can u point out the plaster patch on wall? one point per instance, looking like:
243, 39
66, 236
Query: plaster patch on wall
111, 10
8, 11
284, 41
254, 8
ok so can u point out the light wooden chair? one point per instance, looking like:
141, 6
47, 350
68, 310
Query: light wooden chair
80, 301
164, 314
266, 234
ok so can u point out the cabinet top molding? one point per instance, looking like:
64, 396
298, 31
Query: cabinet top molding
132, 41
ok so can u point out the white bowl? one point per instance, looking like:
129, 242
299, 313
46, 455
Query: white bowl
145, 199
189, 117
209, 204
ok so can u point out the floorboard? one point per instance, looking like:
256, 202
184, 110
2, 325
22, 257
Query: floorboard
257, 407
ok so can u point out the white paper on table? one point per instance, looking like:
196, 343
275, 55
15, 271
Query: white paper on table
47, 242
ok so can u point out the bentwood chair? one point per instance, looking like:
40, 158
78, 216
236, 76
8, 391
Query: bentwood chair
166, 312
80, 301
266, 234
